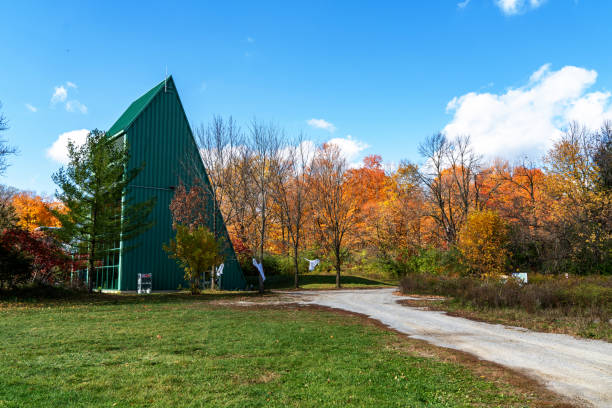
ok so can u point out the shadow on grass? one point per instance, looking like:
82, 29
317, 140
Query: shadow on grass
51, 295
48, 295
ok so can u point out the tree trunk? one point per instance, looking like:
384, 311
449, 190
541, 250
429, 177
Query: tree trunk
90, 269
212, 269
92, 250
295, 265
338, 265
261, 246
260, 280
212, 278
194, 286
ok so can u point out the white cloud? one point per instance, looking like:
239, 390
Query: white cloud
321, 124
59, 94
74, 106
512, 7
591, 110
463, 4
59, 149
527, 119
349, 147
31, 108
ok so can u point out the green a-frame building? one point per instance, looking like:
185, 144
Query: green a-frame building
157, 133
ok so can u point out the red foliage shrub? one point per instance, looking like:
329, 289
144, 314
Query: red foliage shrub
50, 263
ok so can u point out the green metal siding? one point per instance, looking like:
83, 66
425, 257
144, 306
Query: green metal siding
160, 137
134, 110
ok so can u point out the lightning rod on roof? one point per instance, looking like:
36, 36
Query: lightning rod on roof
166, 80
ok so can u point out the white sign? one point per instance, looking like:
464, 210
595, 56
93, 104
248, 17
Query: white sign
260, 269
522, 276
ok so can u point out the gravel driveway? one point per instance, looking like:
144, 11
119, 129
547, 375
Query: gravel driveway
579, 369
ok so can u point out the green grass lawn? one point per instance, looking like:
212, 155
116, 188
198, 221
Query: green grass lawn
324, 281
182, 351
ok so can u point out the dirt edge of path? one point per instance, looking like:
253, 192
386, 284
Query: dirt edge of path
537, 392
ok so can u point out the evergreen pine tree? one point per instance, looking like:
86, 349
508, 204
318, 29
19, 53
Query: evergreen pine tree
98, 211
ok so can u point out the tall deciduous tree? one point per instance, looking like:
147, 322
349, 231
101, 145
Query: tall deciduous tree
334, 208
219, 143
290, 192
603, 156
449, 176
265, 144
582, 217
93, 187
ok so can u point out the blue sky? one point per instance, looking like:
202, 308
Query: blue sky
384, 75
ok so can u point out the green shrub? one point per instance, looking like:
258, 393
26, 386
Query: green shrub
429, 261
273, 265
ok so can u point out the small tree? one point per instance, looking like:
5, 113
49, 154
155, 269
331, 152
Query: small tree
195, 250
191, 207
98, 210
482, 242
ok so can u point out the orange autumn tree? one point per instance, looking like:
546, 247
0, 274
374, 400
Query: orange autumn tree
522, 201
401, 222
367, 185
33, 211
333, 206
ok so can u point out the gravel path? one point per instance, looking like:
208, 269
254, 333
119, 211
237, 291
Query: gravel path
578, 369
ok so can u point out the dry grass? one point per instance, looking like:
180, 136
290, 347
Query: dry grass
576, 306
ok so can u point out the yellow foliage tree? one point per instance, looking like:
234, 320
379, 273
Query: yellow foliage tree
196, 250
482, 242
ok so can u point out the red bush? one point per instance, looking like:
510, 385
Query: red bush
50, 262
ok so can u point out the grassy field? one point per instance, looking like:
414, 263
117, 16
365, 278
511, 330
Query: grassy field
325, 281
182, 351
